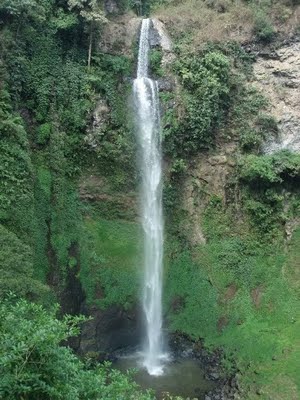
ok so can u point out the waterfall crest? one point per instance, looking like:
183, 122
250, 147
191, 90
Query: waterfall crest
149, 136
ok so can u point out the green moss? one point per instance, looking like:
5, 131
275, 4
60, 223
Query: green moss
111, 263
188, 284
42, 198
16, 268
16, 176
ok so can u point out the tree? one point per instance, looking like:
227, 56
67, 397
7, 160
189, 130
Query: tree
34, 366
21, 9
91, 12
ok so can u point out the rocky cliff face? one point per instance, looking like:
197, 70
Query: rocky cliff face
119, 35
277, 75
108, 330
160, 38
207, 177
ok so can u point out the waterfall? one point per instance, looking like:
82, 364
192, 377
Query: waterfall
149, 136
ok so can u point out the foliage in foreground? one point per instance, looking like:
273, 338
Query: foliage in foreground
34, 366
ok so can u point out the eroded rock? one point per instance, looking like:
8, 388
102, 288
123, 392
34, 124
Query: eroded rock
166, 84
256, 295
279, 79
217, 160
222, 323
229, 294
160, 38
111, 7
290, 227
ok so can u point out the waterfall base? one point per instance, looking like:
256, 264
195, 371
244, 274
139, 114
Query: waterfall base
179, 377
188, 370
155, 367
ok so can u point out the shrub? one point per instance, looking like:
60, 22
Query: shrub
263, 28
250, 139
43, 133
270, 168
205, 79
16, 269
266, 177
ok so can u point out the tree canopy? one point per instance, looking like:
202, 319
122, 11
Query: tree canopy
34, 366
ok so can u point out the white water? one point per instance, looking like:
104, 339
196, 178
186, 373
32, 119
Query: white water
149, 135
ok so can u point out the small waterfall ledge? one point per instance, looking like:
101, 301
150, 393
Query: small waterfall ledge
145, 92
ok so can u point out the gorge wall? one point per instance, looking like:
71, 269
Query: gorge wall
232, 224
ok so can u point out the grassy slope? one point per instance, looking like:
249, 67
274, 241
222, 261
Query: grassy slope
199, 21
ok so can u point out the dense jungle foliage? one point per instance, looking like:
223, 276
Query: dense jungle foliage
68, 193
51, 77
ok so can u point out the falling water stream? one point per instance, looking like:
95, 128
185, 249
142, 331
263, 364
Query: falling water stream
180, 374
149, 135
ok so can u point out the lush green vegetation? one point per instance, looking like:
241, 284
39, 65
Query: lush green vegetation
155, 59
270, 189
239, 290
33, 365
270, 169
244, 301
206, 82
47, 95
52, 78
112, 259
242, 284
216, 102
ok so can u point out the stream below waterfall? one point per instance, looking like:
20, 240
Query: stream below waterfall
183, 377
